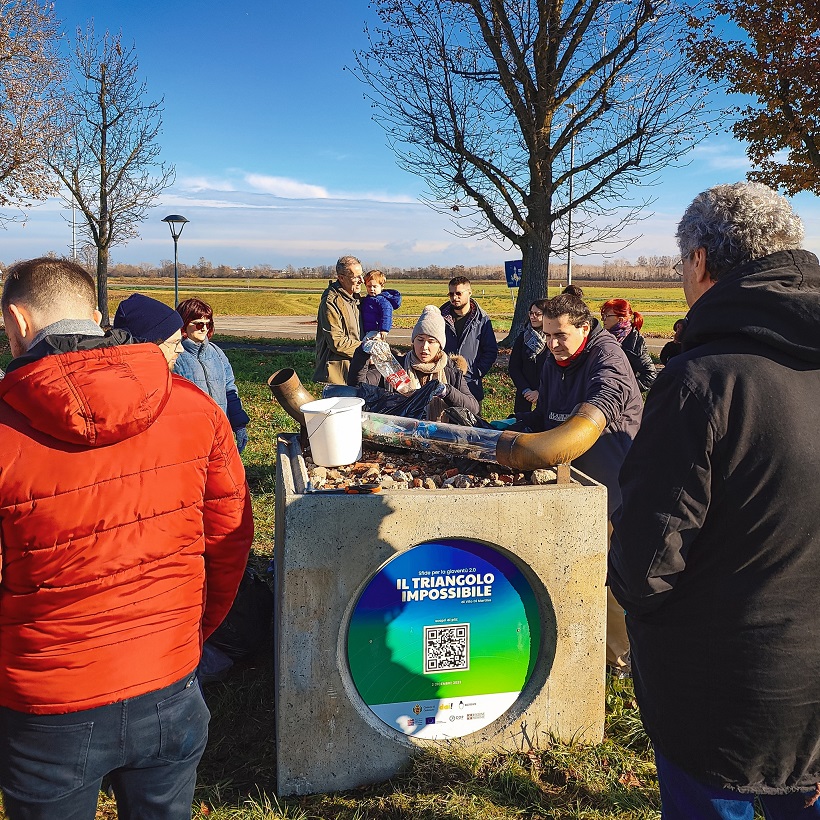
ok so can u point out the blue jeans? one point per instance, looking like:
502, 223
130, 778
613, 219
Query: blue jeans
53, 765
684, 798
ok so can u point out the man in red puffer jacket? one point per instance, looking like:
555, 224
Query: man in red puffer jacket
125, 526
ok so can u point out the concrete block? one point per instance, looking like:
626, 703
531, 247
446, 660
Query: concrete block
328, 550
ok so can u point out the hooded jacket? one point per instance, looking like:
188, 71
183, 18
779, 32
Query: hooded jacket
716, 551
121, 494
363, 371
602, 376
476, 344
377, 311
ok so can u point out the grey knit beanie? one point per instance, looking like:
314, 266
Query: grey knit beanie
431, 323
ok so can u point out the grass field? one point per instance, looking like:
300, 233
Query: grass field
613, 780
300, 297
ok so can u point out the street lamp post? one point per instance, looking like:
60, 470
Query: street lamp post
569, 214
176, 223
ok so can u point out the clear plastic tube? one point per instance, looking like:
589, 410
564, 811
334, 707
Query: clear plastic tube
430, 436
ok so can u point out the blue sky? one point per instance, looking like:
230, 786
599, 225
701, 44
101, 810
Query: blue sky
278, 161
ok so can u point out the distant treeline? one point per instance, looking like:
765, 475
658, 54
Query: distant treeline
643, 269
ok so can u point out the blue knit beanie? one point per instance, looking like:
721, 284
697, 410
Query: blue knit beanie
146, 319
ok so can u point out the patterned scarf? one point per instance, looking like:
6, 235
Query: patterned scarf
420, 372
621, 330
534, 341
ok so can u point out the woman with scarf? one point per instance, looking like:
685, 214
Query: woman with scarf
204, 364
625, 325
529, 352
424, 361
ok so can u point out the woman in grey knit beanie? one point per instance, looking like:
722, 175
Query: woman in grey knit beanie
430, 323
425, 361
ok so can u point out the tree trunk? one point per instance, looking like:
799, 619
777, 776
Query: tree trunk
102, 285
536, 255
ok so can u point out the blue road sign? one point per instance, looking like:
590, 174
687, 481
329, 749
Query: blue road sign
512, 270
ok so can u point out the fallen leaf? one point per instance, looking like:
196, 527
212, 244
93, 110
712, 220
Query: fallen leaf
630, 780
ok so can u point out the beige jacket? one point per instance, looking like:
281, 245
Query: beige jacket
337, 334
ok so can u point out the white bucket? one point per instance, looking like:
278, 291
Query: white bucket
335, 430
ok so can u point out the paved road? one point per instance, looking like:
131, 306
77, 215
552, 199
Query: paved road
304, 327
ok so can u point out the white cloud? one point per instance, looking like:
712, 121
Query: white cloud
202, 183
284, 187
377, 196
285, 221
722, 156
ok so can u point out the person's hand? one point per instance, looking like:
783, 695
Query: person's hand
441, 391
531, 396
241, 438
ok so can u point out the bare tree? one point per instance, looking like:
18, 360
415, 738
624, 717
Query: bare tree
110, 161
504, 107
30, 91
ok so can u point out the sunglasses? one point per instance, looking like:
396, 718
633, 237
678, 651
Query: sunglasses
201, 324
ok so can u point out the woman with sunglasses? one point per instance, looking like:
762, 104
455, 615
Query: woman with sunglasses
204, 364
625, 325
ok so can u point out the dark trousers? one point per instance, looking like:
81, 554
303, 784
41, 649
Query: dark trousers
684, 798
52, 766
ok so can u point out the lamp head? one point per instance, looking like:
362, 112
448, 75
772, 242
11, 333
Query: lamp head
176, 223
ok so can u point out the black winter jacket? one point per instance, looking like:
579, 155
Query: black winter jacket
525, 372
634, 345
716, 551
459, 395
601, 375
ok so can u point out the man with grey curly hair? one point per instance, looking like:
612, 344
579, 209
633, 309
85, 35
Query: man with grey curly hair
734, 224
715, 554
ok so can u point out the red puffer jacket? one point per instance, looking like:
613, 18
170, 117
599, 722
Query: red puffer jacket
121, 493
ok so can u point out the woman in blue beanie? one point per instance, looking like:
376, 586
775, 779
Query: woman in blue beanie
204, 364
149, 320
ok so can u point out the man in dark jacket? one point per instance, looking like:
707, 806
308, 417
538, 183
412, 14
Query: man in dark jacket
588, 367
716, 547
469, 333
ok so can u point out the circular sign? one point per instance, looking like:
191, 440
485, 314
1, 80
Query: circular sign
443, 638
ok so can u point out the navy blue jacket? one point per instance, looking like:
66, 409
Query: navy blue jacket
602, 376
477, 344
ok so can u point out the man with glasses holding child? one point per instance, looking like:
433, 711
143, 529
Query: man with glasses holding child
338, 332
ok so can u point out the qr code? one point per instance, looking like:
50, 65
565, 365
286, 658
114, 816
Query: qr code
446, 648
